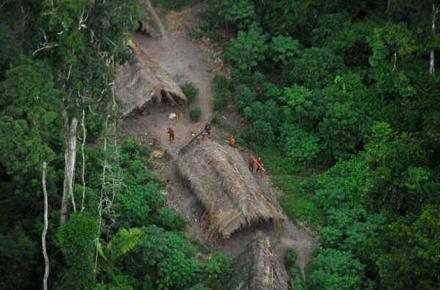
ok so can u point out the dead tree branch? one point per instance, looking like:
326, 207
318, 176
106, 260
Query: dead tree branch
46, 223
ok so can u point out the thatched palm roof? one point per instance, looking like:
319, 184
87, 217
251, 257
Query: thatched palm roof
269, 273
221, 180
257, 268
139, 84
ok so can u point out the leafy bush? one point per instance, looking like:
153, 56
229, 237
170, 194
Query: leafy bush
17, 259
168, 219
216, 268
299, 145
261, 133
247, 50
283, 49
244, 97
172, 4
296, 202
195, 114
315, 68
304, 106
76, 239
173, 256
342, 129
390, 42
290, 258
417, 245
222, 92
190, 91
238, 12
268, 112
333, 269
199, 287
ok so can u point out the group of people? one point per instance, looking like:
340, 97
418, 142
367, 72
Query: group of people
171, 133
254, 163
257, 164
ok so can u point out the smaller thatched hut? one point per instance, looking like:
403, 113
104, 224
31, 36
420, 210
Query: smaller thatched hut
228, 191
258, 268
145, 82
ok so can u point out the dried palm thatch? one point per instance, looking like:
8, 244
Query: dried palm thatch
269, 274
258, 268
144, 82
221, 180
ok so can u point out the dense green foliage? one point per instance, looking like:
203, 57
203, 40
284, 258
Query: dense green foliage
340, 103
190, 91
222, 92
338, 99
58, 62
195, 114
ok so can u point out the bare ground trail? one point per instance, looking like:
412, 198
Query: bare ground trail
185, 60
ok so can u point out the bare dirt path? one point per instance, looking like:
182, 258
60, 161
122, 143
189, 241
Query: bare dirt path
152, 11
187, 61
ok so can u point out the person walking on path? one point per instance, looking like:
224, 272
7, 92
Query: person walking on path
170, 135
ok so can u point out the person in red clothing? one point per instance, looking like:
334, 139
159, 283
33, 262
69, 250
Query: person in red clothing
170, 135
251, 162
260, 167
231, 140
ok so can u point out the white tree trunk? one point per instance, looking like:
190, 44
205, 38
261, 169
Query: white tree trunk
69, 168
103, 187
83, 155
435, 10
46, 224
394, 61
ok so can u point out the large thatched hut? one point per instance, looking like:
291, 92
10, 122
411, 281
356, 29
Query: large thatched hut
228, 191
145, 82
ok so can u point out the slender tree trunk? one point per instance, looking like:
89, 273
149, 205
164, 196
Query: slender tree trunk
394, 61
83, 173
69, 168
46, 223
103, 188
435, 10
388, 5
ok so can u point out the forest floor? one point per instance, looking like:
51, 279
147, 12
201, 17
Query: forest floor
187, 60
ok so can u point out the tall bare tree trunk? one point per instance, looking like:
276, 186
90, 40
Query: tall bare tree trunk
394, 61
46, 224
435, 10
103, 187
388, 5
83, 157
69, 168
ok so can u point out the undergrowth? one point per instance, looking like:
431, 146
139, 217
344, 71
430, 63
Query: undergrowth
173, 4
288, 177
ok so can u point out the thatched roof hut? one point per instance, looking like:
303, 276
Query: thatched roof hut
269, 273
257, 268
221, 180
145, 82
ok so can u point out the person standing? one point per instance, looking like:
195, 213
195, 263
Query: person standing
260, 167
208, 129
170, 135
231, 140
251, 162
